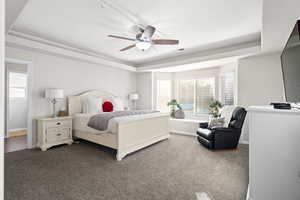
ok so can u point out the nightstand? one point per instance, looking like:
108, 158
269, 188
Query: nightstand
54, 131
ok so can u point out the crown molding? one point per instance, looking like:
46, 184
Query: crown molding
29, 42
33, 43
238, 50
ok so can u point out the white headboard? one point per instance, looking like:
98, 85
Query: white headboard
75, 102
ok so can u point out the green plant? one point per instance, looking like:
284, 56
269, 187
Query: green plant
173, 103
214, 108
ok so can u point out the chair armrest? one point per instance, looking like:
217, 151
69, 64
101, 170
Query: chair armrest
203, 125
223, 129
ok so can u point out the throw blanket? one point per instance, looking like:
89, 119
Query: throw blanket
100, 121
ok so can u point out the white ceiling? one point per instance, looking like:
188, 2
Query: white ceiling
196, 23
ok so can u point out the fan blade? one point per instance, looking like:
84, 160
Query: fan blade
120, 37
165, 42
148, 33
129, 47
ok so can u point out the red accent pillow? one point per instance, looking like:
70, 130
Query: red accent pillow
107, 106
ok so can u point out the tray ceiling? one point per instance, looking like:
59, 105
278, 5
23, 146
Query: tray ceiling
85, 24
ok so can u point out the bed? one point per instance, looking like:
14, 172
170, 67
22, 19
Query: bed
125, 134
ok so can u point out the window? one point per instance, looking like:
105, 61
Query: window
163, 95
17, 85
205, 91
227, 88
195, 95
186, 90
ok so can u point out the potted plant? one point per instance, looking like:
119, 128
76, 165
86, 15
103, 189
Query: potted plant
214, 108
176, 114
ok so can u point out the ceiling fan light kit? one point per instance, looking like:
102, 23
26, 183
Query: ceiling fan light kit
144, 40
143, 45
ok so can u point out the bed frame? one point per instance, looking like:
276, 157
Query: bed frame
131, 135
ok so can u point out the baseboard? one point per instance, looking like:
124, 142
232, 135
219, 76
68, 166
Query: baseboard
183, 133
244, 142
17, 129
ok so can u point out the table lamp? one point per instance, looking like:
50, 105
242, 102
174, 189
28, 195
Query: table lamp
54, 95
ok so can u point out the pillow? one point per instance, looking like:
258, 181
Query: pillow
118, 104
107, 106
92, 105
226, 112
216, 122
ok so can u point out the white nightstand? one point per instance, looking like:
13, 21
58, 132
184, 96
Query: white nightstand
54, 131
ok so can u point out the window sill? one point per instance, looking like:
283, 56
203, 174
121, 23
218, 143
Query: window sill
188, 120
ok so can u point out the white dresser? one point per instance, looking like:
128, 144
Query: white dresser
274, 154
54, 131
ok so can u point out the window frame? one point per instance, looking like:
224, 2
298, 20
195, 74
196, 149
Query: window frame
157, 92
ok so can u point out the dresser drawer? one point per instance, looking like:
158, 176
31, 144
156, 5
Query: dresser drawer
57, 134
59, 123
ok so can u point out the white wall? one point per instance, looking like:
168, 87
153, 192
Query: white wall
144, 86
260, 82
71, 75
17, 107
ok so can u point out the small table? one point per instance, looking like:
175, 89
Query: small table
54, 131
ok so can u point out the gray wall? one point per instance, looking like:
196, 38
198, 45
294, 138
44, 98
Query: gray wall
260, 82
71, 75
17, 107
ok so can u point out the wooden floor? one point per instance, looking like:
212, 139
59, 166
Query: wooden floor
15, 143
18, 133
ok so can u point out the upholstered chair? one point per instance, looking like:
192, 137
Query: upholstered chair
223, 137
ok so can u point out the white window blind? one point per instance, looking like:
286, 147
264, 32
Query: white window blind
205, 92
163, 95
195, 95
227, 88
17, 85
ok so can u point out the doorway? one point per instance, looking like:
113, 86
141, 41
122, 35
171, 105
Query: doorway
17, 123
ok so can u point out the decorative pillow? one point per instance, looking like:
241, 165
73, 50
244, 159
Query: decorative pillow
216, 122
92, 105
118, 104
226, 113
107, 106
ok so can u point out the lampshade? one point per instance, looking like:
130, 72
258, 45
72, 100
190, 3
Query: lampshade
133, 96
53, 93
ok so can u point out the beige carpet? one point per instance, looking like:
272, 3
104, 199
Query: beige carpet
174, 169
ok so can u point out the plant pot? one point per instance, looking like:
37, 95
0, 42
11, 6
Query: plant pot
179, 114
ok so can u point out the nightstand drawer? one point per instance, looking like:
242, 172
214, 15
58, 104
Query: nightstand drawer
59, 123
57, 134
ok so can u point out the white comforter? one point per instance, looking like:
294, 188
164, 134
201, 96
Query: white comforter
81, 120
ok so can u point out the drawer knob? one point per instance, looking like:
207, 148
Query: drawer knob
59, 134
58, 123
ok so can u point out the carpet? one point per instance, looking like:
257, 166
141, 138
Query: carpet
174, 169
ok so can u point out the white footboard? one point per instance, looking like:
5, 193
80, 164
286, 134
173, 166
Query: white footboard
137, 134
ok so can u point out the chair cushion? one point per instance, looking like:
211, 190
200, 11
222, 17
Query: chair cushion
206, 133
238, 117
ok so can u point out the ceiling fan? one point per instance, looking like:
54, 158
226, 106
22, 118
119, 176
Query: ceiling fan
144, 41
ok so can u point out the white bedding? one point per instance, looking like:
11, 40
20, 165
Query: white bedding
81, 120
